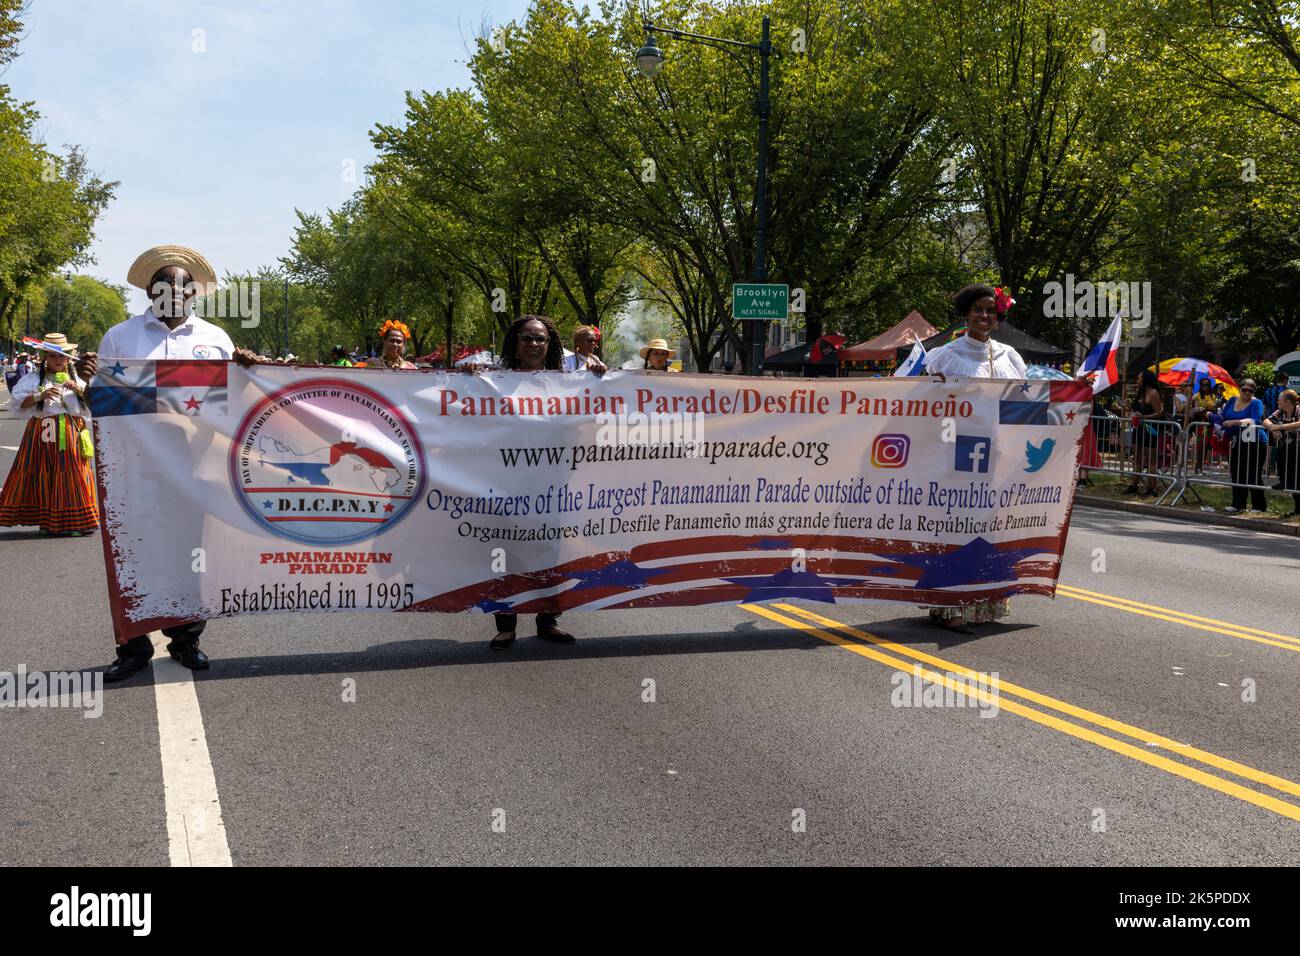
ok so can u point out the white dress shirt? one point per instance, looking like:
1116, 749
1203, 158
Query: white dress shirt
571, 362
147, 337
964, 357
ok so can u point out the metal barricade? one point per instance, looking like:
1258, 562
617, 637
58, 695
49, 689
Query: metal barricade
1137, 449
1213, 456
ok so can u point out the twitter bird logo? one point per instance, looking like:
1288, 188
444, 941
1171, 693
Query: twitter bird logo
1037, 456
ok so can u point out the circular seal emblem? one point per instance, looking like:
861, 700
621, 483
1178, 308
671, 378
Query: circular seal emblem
326, 462
202, 352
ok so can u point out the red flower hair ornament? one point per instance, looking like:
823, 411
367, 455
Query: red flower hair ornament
1002, 300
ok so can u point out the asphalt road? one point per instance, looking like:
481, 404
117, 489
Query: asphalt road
1126, 733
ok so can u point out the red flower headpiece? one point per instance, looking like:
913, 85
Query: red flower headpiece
390, 325
1002, 300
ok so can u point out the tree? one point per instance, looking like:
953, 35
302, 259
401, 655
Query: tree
1050, 120
442, 171
83, 309
49, 203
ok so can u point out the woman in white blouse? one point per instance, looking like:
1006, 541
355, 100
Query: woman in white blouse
50, 484
976, 355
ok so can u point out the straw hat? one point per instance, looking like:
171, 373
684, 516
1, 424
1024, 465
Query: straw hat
151, 260
661, 345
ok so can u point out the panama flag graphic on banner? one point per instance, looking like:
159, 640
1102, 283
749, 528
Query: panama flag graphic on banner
1044, 402
141, 387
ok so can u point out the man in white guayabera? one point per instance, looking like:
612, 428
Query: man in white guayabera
168, 329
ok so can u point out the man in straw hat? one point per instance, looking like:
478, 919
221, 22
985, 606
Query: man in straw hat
657, 355
168, 329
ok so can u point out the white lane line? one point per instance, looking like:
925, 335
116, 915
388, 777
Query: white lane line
196, 835
9, 447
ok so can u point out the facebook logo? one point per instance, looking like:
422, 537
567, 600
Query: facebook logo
972, 453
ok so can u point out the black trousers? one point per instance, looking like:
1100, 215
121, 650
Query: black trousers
507, 622
1245, 462
181, 635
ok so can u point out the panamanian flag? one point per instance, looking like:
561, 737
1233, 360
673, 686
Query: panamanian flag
1101, 360
1044, 402
164, 387
914, 364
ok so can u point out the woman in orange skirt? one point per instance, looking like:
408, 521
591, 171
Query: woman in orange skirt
50, 484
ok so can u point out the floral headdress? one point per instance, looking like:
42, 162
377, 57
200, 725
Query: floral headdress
390, 325
1002, 300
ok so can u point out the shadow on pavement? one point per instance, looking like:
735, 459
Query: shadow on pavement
441, 652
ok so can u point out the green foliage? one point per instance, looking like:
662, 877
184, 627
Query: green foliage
913, 148
1261, 372
83, 309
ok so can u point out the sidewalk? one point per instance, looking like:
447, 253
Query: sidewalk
1196, 517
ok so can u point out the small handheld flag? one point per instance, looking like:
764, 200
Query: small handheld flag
47, 347
1101, 359
914, 364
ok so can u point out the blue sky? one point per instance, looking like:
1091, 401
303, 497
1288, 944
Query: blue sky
215, 148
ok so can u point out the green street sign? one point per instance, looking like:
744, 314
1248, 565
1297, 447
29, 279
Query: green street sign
760, 300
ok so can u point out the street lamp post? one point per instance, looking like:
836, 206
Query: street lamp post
286, 316
67, 279
649, 60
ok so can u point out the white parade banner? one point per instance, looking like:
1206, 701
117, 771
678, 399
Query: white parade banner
230, 491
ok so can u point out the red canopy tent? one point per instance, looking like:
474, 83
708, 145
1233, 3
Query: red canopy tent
459, 352
885, 346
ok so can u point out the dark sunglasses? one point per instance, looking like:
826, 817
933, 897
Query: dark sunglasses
535, 339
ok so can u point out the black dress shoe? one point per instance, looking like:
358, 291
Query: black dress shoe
189, 656
124, 667
556, 637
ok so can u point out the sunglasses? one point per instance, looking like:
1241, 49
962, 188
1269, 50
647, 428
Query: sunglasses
535, 339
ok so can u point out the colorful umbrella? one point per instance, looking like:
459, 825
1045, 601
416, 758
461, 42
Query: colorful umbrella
1180, 371
1045, 371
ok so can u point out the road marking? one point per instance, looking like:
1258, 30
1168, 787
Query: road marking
9, 447
1180, 617
1118, 726
1191, 617
196, 834
1193, 774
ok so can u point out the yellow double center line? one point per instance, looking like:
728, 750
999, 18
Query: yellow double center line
874, 649
1180, 617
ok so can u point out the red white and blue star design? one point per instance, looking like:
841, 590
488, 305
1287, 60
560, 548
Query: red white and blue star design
727, 568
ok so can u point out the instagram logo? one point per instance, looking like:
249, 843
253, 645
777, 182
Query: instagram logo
890, 451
